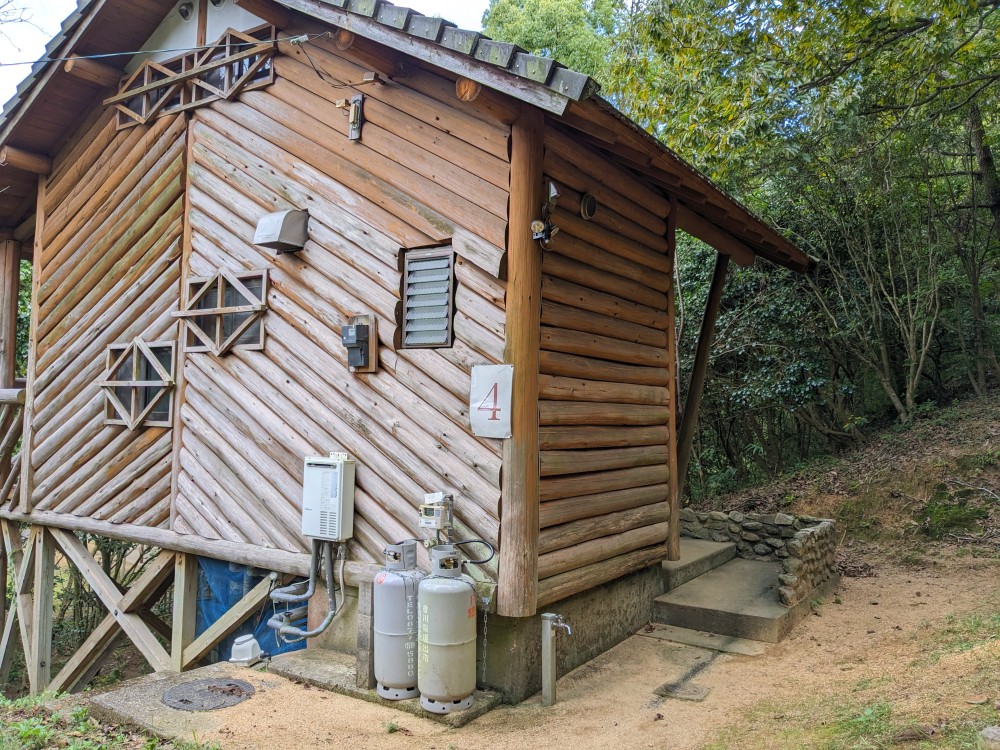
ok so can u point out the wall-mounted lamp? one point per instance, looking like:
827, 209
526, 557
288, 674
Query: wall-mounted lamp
218, 3
543, 229
283, 231
186, 10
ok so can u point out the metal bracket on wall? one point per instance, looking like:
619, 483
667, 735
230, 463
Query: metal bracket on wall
357, 116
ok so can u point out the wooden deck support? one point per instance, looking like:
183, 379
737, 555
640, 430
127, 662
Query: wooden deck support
40, 664
185, 608
518, 590
19, 609
10, 277
107, 591
692, 403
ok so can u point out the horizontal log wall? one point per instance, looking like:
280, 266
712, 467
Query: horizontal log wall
605, 387
108, 271
424, 171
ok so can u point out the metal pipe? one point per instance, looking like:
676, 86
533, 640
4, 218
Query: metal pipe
550, 622
293, 594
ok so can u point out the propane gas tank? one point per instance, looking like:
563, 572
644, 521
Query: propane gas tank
447, 659
394, 601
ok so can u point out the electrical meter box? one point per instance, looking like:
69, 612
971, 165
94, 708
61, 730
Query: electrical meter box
328, 497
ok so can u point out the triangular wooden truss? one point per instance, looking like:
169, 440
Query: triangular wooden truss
238, 61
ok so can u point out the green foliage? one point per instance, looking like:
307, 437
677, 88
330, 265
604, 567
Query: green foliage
23, 319
576, 33
948, 513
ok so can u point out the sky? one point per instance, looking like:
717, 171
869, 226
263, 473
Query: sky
26, 41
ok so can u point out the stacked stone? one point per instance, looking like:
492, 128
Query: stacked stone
805, 545
757, 536
811, 562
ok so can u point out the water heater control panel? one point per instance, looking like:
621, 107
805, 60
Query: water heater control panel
328, 497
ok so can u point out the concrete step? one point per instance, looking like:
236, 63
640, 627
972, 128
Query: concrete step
697, 558
738, 599
725, 643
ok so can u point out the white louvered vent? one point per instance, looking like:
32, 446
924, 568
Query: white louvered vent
428, 298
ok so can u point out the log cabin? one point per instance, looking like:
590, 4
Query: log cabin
470, 203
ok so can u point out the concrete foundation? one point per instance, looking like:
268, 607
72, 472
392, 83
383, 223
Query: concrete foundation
601, 618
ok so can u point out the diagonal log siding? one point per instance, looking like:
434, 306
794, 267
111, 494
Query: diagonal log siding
424, 171
109, 271
606, 375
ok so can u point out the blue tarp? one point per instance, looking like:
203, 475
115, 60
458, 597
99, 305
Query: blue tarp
220, 586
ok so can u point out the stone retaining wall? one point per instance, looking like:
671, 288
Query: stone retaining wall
806, 546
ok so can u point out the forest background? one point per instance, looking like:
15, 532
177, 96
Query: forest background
862, 129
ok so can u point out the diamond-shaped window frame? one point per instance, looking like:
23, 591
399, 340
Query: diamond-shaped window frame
202, 287
134, 415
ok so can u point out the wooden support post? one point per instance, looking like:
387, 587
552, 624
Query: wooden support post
269, 11
25, 161
518, 588
21, 605
92, 71
10, 279
185, 604
692, 402
27, 471
40, 666
202, 23
674, 535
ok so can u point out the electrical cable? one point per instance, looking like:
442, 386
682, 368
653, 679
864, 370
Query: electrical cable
299, 40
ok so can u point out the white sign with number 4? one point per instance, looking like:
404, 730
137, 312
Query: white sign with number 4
489, 402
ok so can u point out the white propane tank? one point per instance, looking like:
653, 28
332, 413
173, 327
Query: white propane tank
447, 660
395, 603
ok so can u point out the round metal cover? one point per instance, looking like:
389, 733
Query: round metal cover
207, 695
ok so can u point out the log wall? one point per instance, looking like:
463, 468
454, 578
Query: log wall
606, 386
427, 169
108, 270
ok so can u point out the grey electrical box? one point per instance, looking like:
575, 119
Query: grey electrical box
355, 338
283, 232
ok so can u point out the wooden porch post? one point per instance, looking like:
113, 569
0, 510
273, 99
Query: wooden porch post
185, 603
518, 590
27, 439
10, 276
692, 403
674, 534
40, 664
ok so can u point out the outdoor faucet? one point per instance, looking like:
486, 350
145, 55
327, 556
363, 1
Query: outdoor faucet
550, 621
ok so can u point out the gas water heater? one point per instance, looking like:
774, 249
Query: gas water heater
395, 604
447, 634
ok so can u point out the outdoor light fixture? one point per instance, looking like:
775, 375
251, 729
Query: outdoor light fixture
186, 10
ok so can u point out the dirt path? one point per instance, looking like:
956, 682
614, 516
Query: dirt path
883, 638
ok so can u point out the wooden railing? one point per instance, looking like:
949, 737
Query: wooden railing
11, 427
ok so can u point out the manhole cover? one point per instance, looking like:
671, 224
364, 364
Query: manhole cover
207, 695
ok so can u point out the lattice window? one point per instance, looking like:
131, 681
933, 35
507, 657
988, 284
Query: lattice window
138, 384
225, 312
428, 298
238, 61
